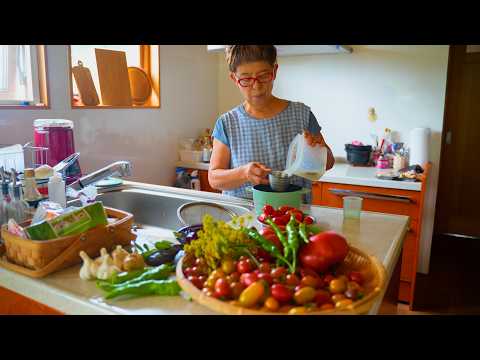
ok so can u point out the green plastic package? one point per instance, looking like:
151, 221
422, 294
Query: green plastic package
71, 223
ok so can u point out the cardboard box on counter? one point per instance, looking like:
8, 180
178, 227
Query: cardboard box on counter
71, 223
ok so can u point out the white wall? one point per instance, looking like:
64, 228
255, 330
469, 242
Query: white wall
147, 137
405, 84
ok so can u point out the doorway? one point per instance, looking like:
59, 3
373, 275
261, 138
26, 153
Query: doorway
458, 199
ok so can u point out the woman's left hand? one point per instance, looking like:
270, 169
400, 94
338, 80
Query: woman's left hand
317, 139
314, 139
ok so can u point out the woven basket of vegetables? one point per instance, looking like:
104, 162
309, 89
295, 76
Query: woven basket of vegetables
240, 271
38, 258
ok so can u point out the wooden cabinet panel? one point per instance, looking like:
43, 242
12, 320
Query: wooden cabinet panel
317, 193
203, 177
404, 291
204, 184
409, 254
384, 204
12, 303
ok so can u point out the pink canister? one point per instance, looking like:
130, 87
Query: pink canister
57, 136
383, 163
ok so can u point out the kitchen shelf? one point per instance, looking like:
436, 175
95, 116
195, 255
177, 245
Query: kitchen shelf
149, 63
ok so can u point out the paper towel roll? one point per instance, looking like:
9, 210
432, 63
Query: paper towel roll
419, 144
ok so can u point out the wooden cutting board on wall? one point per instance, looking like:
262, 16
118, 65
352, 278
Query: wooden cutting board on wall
85, 85
113, 77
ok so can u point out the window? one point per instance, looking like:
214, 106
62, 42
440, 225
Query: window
94, 86
22, 78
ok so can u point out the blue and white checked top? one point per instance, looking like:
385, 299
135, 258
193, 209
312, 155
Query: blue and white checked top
265, 141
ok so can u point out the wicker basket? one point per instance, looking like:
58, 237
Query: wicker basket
37, 258
356, 260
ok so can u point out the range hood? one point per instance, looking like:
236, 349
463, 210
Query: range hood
291, 50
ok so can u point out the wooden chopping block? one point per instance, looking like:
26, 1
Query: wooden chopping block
140, 85
113, 77
85, 85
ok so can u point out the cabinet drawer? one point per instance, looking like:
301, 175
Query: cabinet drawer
391, 201
409, 253
12, 303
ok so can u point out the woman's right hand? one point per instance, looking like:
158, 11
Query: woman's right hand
256, 173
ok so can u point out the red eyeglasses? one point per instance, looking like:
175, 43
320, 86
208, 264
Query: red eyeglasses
249, 81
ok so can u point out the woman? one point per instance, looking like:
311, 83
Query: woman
252, 139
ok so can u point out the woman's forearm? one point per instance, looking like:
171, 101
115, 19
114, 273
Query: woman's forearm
226, 179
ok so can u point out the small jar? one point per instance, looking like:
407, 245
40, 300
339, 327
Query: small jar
382, 163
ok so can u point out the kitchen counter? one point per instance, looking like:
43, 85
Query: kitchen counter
344, 173
193, 165
377, 234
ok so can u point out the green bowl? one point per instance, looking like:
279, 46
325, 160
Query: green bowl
264, 194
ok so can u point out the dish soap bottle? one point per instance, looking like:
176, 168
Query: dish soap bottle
18, 209
4, 198
31, 193
56, 190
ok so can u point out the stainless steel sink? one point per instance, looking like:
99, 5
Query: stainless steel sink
157, 206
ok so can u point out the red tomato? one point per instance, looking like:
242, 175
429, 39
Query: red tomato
309, 220
270, 235
265, 267
277, 213
356, 276
222, 288
196, 281
244, 266
262, 255
262, 218
328, 278
298, 216
292, 279
278, 272
188, 272
246, 279
322, 297
281, 220
284, 209
281, 293
235, 276
266, 276
236, 289
268, 210
323, 250
305, 271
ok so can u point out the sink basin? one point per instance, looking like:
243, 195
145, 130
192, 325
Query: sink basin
153, 207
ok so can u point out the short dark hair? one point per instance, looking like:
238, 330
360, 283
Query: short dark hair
239, 54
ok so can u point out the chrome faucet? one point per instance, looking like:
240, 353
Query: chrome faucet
119, 168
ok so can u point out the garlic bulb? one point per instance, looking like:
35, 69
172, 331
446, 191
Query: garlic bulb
119, 255
85, 270
107, 268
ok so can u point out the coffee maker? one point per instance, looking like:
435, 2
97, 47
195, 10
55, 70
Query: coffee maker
57, 136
